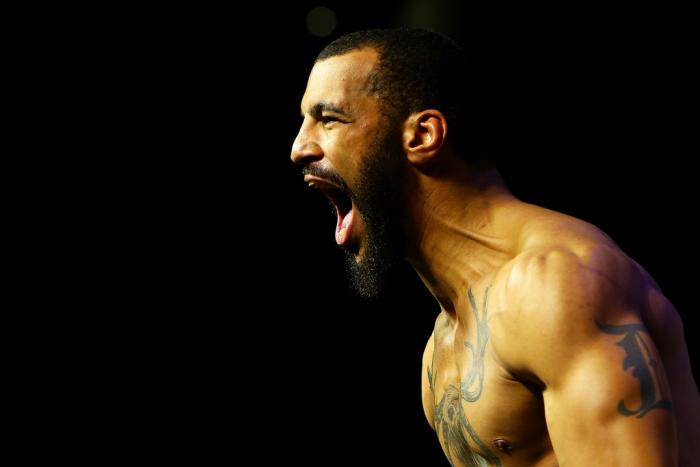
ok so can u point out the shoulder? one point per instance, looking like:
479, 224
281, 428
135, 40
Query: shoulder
573, 272
558, 274
564, 259
552, 297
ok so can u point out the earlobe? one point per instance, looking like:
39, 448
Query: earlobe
424, 136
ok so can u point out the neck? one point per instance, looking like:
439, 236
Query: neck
460, 230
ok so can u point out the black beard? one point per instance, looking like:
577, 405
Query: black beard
377, 197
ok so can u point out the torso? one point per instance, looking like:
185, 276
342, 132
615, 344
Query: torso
481, 413
484, 415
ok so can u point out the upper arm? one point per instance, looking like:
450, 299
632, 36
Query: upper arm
605, 392
610, 404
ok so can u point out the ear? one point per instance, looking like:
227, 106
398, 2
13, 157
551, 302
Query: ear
424, 135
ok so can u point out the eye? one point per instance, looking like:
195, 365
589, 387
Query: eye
329, 121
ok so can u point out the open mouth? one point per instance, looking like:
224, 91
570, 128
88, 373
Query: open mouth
342, 202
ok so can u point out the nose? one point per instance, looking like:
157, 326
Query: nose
305, 150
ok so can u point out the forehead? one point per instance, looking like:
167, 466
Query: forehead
341, 79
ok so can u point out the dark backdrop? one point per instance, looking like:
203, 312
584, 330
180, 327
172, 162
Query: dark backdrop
237, 332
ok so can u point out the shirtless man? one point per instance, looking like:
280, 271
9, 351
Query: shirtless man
552, 346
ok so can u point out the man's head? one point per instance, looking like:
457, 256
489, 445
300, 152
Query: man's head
375, 100
419, 69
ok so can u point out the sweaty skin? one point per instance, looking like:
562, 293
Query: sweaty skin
552, 347
543, 381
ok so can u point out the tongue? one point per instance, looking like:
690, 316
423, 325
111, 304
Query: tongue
343, 228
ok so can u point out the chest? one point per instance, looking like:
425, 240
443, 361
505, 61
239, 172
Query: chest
481, 414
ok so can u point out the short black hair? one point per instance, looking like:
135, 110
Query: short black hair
420, 69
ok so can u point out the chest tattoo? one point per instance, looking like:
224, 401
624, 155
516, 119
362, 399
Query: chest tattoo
450, 418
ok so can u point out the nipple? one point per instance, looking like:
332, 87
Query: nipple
503, 445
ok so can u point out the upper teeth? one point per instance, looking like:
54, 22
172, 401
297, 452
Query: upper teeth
311, 183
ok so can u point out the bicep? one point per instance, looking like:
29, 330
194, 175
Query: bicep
609, 404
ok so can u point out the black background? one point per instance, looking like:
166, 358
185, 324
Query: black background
234, 330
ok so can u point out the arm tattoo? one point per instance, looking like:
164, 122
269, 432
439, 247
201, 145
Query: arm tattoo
450, 418
644, 367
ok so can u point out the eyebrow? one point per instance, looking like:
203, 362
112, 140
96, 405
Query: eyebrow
317, 109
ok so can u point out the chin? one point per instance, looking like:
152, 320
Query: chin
358, 251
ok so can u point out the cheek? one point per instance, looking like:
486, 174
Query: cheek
346, 156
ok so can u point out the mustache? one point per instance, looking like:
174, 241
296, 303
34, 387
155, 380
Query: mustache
324, 172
